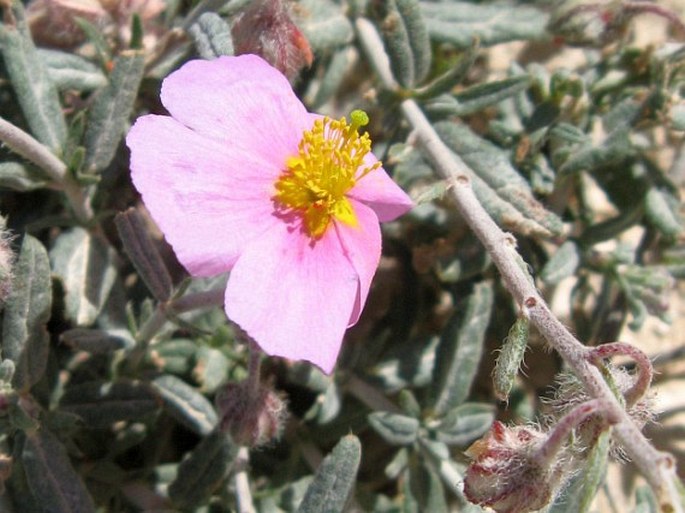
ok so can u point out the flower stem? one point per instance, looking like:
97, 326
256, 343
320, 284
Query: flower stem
645, 371
28, 147
253, 382
657, 467
242, 483
558, 437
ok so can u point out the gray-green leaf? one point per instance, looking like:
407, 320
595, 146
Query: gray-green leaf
394, 428
51, 477
25, 339
29, 76
460, 349
329, 491
186, 404
111, 110
85, 264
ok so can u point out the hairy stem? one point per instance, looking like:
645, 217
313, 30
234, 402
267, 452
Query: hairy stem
657, 467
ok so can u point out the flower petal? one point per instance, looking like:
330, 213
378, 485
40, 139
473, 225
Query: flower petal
381, 193
242, 101
294, 298
362, 246
209, 199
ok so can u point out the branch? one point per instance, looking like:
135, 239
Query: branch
657, 467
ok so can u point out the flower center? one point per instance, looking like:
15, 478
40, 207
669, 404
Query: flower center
329, 162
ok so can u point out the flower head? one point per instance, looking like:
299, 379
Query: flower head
505, 473
242, 178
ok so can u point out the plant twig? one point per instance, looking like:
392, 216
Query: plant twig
242, 483
28, 147
657, 467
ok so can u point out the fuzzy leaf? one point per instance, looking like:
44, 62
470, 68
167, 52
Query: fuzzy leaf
426, 489
661, 208
70, 71
478, 97
35, 90
406, 40
578, 495
395, 429
459, 23
500, 188
212, 36
111, 110
51, 477
101, 404
463, 424
21, 177
202, 471
324, 24
334, 479
143, 253
97, 341
510, 358
186, 404
85, 264
460, 349
563, 263
25, 339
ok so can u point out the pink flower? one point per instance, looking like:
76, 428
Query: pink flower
242, 178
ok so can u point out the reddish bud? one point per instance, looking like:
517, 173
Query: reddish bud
506, 473
252, 418
265, 28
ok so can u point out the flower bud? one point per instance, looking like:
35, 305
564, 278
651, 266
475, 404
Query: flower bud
506, 473
265, 28
252, 418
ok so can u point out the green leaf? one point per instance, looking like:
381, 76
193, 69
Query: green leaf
25, 339
460, 349
324, 24
337, 474
51, 477
510, 358
143, 253
70, 71
97, 341
101, 404
478, 97
211, 368
578, 495
394, 428
21, 177
661, 208
426, 488
85, 265
202, 471
463, 424
645, 502
501, 189
35, 90
186, 404
614, 149
406, 40
111, 110
563, 263
459, 23
212, 36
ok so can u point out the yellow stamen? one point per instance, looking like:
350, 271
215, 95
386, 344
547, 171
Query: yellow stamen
329, 162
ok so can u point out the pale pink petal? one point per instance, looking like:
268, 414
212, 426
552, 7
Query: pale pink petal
362, 246
208, 198
381, 193
294, 298
241, 101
